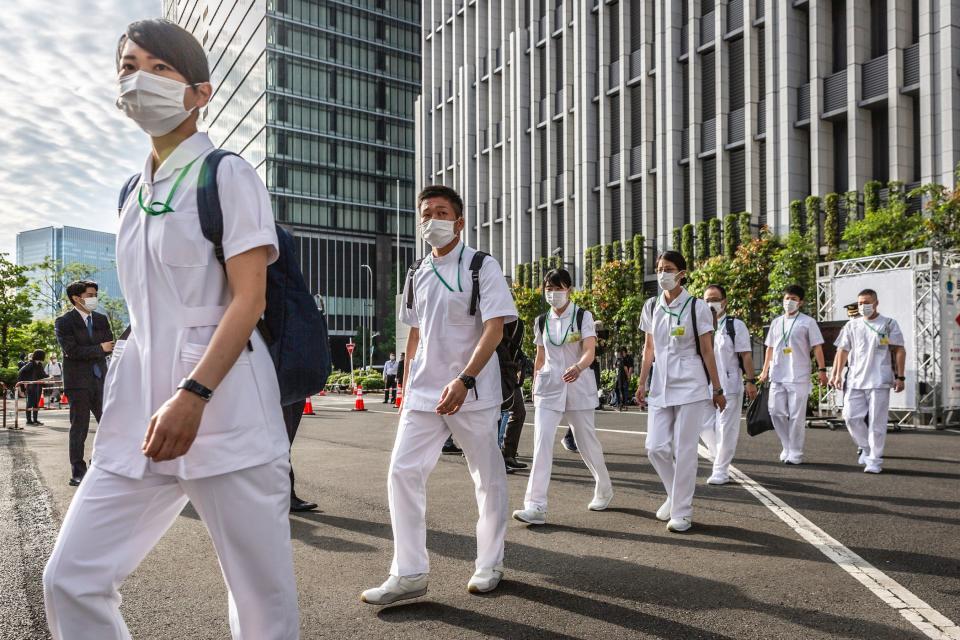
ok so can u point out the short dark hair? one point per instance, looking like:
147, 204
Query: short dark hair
558, 278
868, 292
718, 287
442, 191
79, 287
169, 42
39, 355
794, 290
675, 258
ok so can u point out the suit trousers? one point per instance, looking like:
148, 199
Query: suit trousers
292, 415
114, 522
518, 414
83, 402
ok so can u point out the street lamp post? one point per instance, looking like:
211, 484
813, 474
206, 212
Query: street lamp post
370, 322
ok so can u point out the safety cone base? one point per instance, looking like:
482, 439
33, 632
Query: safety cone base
358, 404
308, 408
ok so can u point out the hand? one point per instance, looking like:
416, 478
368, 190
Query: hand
452, 397
571, 374
107, 346
751, 391
822, 377
173, 427
834, 382
763, 377
897, 386
641, 394
720, 401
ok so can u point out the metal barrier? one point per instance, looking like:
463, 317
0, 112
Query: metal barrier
46, 384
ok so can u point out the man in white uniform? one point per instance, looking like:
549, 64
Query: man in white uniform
873, 341
731, 347
216, 439
790, 340
456, 319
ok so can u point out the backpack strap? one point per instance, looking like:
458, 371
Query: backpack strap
411, 272
126, 190
579, 318
475, 264
542, 322
208, 202
696, 336
732, 332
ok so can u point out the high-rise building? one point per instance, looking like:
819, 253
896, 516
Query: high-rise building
319, 96
567, 124
68, 246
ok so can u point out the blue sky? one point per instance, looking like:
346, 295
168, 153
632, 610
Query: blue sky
65, 149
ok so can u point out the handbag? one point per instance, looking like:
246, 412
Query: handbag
758, 413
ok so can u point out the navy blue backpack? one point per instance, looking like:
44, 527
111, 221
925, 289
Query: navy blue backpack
292, 326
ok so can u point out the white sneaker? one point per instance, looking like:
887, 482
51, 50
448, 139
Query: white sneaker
872, 468
864, 454
530, 516
397, 588
663, 513
679, 525
795, 460
718, 479
600, 503
783, 455
485, 580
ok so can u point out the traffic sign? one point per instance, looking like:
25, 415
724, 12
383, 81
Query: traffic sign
350, 347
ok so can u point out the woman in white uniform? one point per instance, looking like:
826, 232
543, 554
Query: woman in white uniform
680, 391
563, 388
217, 438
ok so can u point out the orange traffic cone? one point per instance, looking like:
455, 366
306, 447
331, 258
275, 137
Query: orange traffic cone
40, 404
399, 399
358, 405
63, 400
308, 408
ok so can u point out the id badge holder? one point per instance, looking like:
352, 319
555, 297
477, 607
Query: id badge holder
676, 332
884, 341
574, 337
787, 351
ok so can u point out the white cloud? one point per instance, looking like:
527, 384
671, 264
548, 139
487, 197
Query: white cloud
65, 149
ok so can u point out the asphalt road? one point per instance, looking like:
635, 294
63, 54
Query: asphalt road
742, 572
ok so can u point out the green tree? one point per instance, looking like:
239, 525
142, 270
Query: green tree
687, 245
744, 231
716, 270
794, 263
530, 304
597, 258
748, 281
852, 205
716, 243
812, 209
38, 334
628, 251
942, 225
607, 253
701, 243
871, 196
831, 224
49, 289
730, 235
588, 267
612, 285
617, 250
639, 250
676, 237
15, 304
536, 276
796, 217
886, 229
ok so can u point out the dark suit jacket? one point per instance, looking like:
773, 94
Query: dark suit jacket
81, 351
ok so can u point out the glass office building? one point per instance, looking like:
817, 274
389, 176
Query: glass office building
319, 96
70, 245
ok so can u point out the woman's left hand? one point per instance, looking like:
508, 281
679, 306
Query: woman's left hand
174, 426
571, 374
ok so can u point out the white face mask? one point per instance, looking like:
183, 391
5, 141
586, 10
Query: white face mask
90, 303
556, 299
717, 307
866, 310
791, 306
438, 233
153, 102
668, 281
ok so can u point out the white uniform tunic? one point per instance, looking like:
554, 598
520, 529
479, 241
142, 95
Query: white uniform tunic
177, 292
550, 391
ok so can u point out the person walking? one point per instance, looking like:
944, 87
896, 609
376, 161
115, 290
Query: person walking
54, 371
32, 373
564, 388
679, 336
390, 368
791, 340
624, 367
85, 339
192, 404
874, 347
512, 410
456, 302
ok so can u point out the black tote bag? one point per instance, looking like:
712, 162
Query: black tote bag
758, 413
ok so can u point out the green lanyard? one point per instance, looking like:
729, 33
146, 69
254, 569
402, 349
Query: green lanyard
784, 339
437, 273
882, 334
165, 207
671, 313
573, 315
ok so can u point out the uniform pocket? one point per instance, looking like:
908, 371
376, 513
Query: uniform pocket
458, 310
182, 243
548, 384
235, 401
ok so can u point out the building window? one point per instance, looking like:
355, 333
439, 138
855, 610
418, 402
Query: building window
381, 30
709, 188
839, 24
840, 156
381, 130
878, 28
881, 162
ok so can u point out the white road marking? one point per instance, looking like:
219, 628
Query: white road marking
638, 433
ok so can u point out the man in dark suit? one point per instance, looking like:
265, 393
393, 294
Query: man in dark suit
85, 339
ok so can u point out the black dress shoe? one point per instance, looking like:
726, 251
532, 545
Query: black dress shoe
508, 469
296, 505
451, 450
38, 424
75, 481
514, 464
569, 443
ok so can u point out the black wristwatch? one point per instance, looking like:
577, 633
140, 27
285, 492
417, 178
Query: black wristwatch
196, 388
718, 391
822, 369
468, 381
900, 378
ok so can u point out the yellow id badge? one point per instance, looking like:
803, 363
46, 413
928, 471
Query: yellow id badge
884, 341
787, 350
677, 331
574, 337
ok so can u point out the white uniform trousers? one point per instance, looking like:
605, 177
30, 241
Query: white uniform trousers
114, 521
873, 404
420, 437
721, 433
788, 412
672, 435
545, 423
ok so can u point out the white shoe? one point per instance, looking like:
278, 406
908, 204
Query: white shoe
718, 479
679, 525
784, 456
872, 468
397, 588
530, 516
663, 513
795, 460
600, 503
485, 580
864, 454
